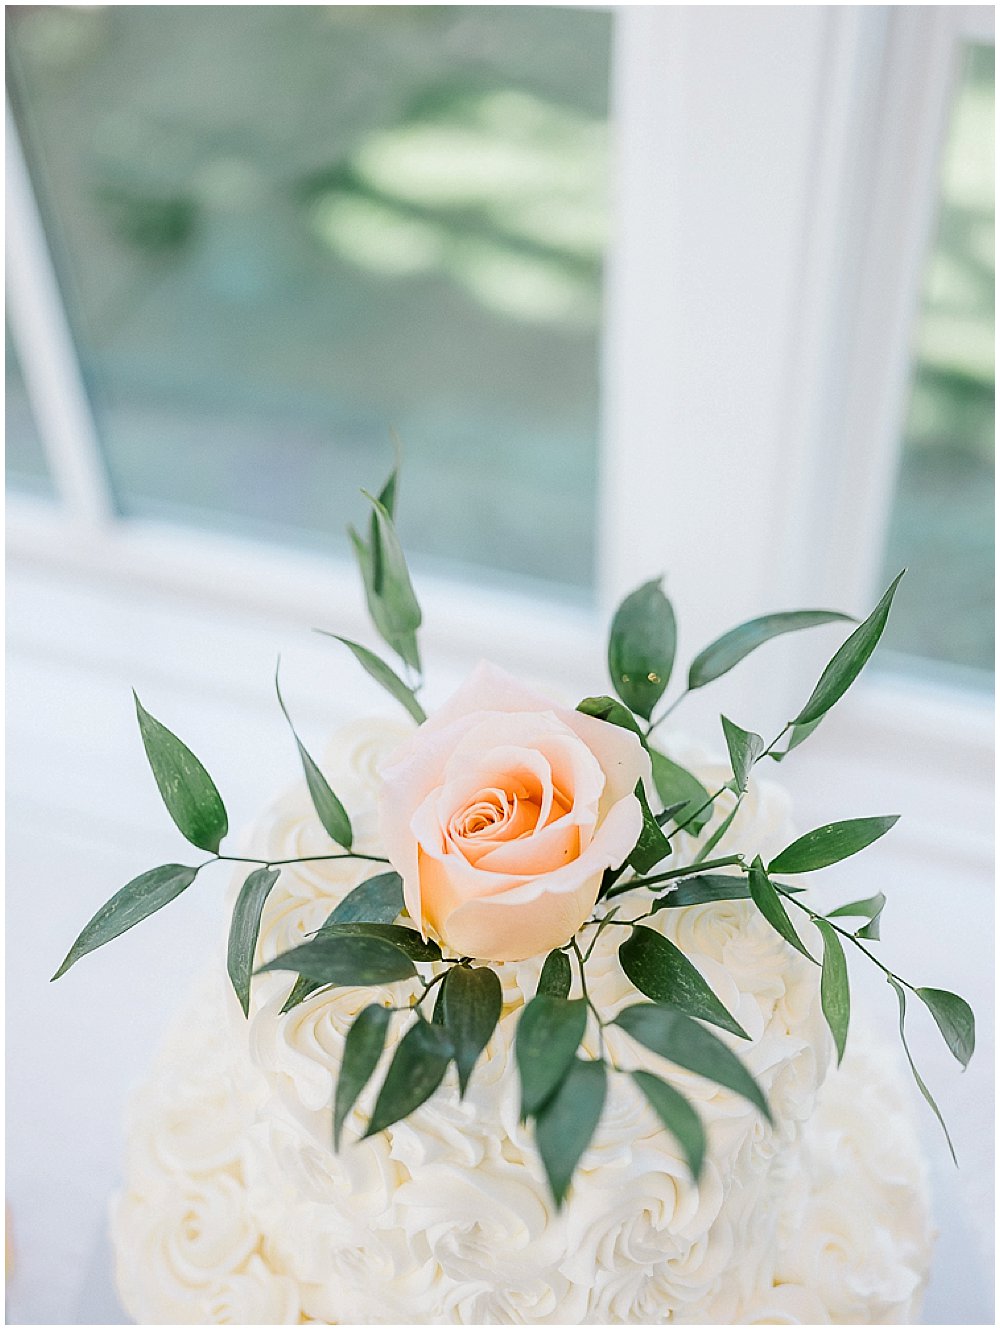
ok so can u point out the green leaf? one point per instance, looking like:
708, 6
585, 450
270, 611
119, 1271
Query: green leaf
641, 647
954, 1019
664, 973
387, 494
408, 940
473, 1001
362, 1050
871, 909
674, 1036
835, 988
416, 1071
556, 977
136, 901
378, 900
548, 1034
607, 709
244, 929
800, 733
393, 591
767, 900
669, 813
704, 890
404, 644
677, 1115
329, 809
921, 1086
383, 674
849, 661
185, 786
566, 1124
346, 961
720, 656
674, 784
652, 845
828, 845
744, 749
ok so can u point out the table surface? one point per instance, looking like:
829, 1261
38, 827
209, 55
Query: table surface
83, 818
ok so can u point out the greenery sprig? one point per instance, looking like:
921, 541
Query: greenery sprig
367, 940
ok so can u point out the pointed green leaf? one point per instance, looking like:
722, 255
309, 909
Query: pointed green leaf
556, 977
383, 674
828, 845
346, 961
408, 940
744, 749
871, 909
767, 900
674, 1036
669, 814
641, 647
548, 1034
416, 1071
398, 608
301, 989
329, 809
921, 1086
362, 1050
954, 1019
704, 890
473, 1001
566, 1124
849, 661
674, 784
835, 988
378, 900
607, 709
652, 845
136, 901
185, 786
664, 973
404, 644
677, 1115
728, 650
244, 929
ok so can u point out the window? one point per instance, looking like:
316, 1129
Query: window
283, 230
942, 522
25, 461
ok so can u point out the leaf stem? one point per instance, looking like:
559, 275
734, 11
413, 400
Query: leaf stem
664, 714
304, 859
673, 873
719, 832
586, 997
814, 914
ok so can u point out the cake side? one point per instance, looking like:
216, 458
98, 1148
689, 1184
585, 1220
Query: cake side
446, 1217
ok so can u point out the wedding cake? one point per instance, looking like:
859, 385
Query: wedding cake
237, 1208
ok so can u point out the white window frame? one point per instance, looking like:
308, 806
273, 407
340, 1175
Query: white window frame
760, 294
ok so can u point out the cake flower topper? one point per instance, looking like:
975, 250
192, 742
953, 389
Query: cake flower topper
511, 827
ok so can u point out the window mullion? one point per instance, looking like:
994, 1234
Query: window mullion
49, 362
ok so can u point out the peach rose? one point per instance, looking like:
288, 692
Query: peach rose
502, 813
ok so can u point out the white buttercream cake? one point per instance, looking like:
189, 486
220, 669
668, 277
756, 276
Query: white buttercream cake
236, 1209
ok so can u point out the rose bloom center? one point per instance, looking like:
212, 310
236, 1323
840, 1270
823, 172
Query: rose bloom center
499, 814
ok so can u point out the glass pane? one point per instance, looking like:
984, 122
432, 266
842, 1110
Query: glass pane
25, 466
942, 526
286, 231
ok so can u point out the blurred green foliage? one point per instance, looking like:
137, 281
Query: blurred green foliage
942, 525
